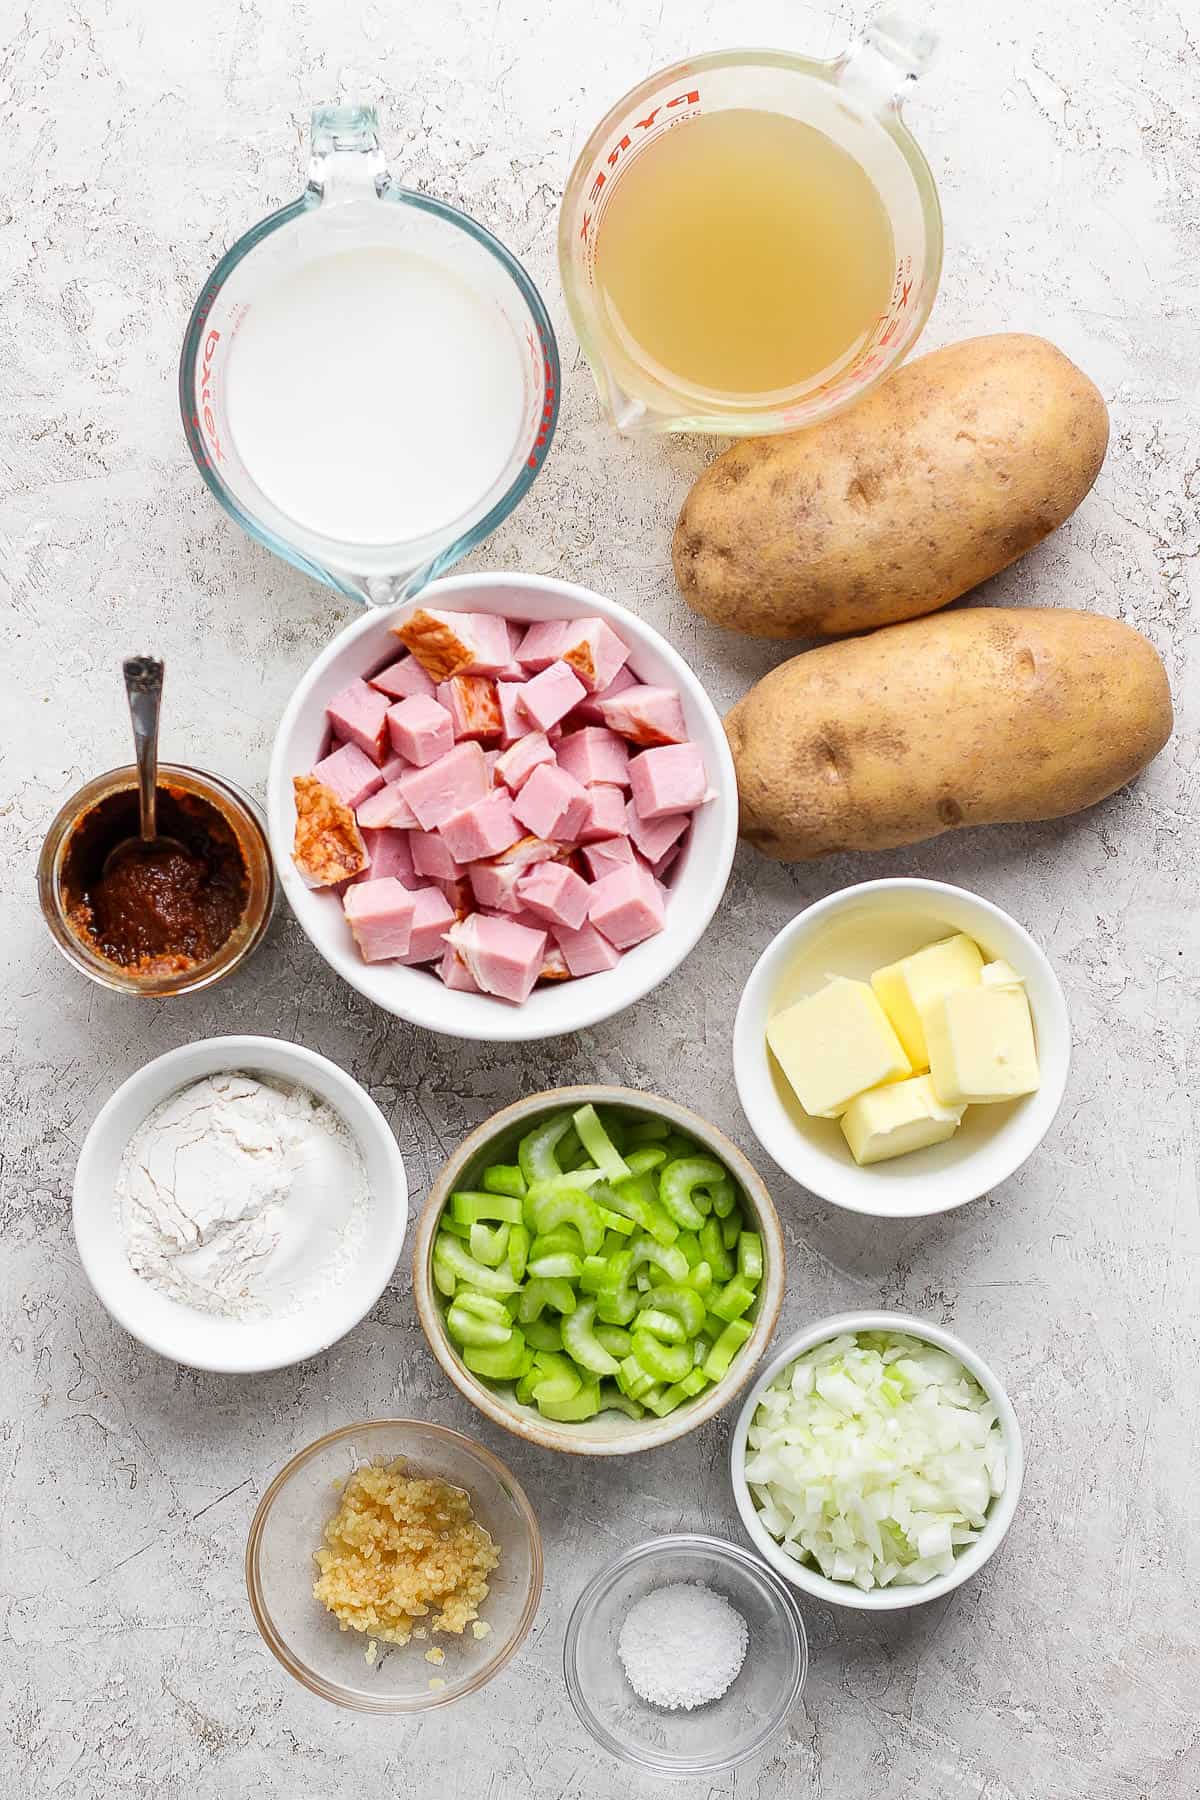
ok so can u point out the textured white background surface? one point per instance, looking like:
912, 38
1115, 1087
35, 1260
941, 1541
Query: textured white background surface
140, 139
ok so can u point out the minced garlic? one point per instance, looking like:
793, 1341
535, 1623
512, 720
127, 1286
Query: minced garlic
399, 1547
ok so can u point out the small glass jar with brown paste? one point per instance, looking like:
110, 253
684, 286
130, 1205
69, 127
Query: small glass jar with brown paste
176, 918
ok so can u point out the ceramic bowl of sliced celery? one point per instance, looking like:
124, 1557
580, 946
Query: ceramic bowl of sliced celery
598, 1270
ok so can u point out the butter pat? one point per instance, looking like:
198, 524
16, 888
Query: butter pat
981, 1047
891, 1121
834, 1044
1000, 974
908, 988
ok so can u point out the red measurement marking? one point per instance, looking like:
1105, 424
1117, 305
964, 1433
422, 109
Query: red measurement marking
206, 392
624, 143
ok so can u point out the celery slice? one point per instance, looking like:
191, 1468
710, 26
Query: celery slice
469, 1207
465, 1267
518, 1251
666, 1362
502, 1362
613, 1400
543, 1334
725, 1349
662, 1325
489, 1245
468, 1328
750, 1255
666, 1257
504, 1178
599, 1145
581, 1343
535, 1152
583, 1405
735, 1298
569, 1208
540, 1293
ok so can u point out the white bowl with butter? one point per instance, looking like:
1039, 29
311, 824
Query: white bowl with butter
851, 936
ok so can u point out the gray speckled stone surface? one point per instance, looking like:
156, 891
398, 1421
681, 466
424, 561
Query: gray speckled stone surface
140, 139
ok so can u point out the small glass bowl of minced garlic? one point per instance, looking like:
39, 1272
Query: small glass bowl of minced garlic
394, 1566
685, 1656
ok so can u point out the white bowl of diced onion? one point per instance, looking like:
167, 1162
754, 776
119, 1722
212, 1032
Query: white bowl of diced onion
920, 1441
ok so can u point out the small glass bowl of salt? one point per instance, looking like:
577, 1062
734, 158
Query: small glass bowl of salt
685, 1656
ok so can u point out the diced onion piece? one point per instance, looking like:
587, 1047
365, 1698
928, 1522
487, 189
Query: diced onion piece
875, 1457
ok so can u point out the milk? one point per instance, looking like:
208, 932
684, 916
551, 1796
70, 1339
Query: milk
373, 397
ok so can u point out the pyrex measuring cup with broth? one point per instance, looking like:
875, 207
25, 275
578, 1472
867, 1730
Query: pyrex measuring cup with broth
369, 381
749, 240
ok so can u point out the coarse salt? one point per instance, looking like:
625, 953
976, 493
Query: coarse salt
682, 1645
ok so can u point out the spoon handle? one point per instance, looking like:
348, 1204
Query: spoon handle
143, 686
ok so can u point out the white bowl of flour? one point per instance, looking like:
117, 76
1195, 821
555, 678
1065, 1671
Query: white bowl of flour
240, 1204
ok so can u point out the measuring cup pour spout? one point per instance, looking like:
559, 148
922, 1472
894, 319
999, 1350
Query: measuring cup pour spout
345, 160
896, 47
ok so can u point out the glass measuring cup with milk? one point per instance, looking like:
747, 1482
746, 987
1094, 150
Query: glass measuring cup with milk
369, 381
749, 240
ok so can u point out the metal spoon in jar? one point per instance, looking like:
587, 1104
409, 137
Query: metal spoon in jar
143, 689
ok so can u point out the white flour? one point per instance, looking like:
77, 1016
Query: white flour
244, 1197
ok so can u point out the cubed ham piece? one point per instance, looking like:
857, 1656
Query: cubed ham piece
516, 764
586, 951
539, 646
601, 859
552, 803
665, 861
390, 855
380, 914
446, 786
514, 724
402, 679
431, 856
456, 643
455, 973
473, 705
494, 884
394, 766
459, 895
645, 715
359, 715
668, 780
549, 697
595, 754
654, 837
606, 814
554, 964
588, 711
627, 906
421, 728
327, 848
387, 808
349, 773
504, 958
490, 759
554, 892
595, 652
482, 829
433, 916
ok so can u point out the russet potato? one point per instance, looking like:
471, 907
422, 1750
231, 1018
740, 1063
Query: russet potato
978, 717
941, 476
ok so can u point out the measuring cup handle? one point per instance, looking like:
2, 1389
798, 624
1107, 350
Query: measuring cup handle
345, 160
897, 46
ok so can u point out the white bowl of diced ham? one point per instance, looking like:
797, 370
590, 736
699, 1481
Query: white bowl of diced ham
504, 810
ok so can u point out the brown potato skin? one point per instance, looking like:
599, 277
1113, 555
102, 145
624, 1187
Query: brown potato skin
947, 472
981, 717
